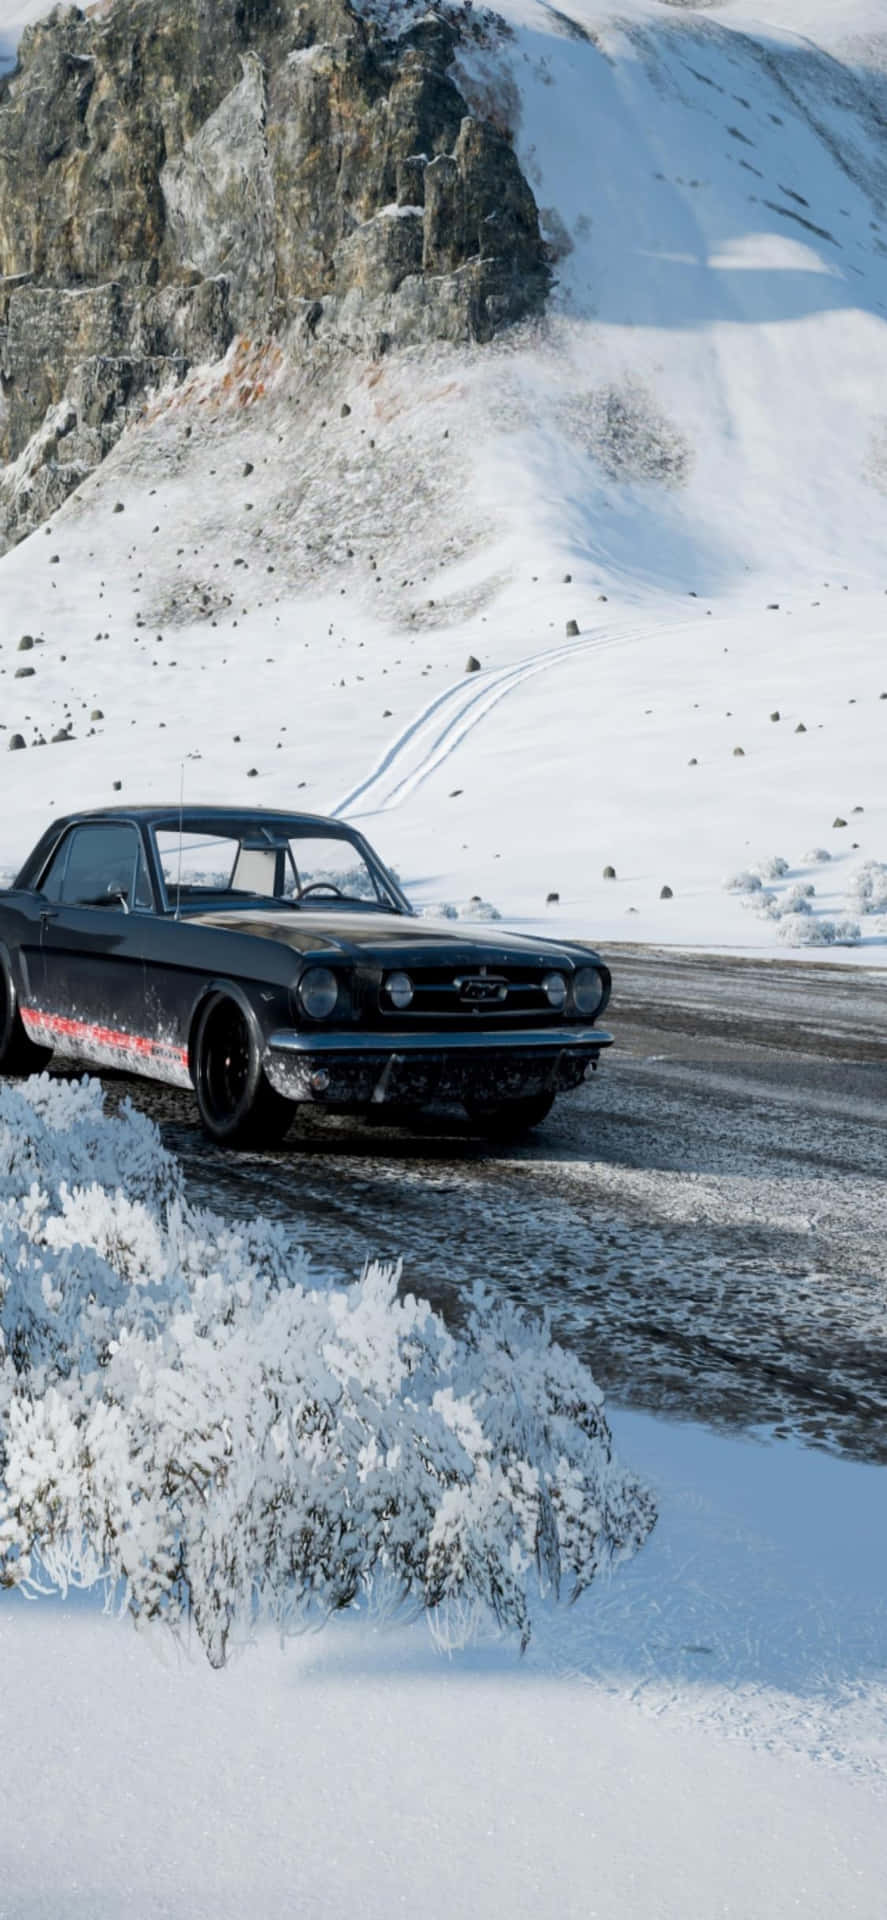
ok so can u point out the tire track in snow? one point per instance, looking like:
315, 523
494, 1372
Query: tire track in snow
434, 734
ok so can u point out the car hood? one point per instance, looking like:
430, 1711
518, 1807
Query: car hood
389, 938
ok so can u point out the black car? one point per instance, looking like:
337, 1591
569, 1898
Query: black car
268, 959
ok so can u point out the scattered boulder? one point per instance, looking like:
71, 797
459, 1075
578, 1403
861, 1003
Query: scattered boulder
344, 410
665, 893
552, 899
61, 734
776, 716
693, 763
739, 753
15, 743
252, 773
609, 873
26, 643
97, 714
838, 822
117, 785
572, 629
119, 507
247, 469
472, 665
800, 728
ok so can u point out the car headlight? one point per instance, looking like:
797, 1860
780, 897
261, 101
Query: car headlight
318, 991
554, 987
400, 990
588, 990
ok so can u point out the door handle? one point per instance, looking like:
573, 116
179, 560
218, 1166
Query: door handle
47, 914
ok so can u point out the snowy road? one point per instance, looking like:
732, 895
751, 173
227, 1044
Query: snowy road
707, 1222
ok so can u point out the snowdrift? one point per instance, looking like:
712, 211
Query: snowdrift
194, 1423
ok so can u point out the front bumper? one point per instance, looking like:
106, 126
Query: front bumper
369, 1069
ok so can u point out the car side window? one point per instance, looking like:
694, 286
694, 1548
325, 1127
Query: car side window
100, 866
53, 879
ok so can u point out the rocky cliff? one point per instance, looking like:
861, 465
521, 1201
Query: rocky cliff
174, 173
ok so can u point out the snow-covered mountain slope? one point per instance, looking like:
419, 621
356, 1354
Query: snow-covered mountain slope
689, 459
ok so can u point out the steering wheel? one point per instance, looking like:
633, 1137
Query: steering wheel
321, 886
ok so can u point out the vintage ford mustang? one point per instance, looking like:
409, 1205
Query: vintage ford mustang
266, 959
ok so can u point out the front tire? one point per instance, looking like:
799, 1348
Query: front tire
509, 1119
18, 1055
237, 1106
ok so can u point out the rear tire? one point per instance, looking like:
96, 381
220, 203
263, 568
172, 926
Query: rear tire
18, 1055
509, 1119
237, 1106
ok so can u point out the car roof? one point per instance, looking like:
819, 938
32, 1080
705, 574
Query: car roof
196, 818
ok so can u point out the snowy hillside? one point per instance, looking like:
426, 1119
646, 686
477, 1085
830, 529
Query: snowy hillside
688, 458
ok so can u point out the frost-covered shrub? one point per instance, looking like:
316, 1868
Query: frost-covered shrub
441, 910
816, 857
867, 891
797, 899
772, 867
743, 882
805, 930
190, 1419
478, 909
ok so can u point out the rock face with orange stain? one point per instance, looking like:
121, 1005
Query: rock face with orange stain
174, 173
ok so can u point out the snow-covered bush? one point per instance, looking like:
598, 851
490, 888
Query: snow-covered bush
190, 1419
438, 910
478, 909
743, 882
772, 867
867, 892
805, 930
797, 898
817, 857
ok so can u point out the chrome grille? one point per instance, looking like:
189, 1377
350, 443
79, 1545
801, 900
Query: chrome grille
473, 993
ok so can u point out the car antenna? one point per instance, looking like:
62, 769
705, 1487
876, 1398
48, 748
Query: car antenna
178, 912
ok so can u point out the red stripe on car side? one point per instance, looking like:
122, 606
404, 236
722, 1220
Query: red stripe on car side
70, 1029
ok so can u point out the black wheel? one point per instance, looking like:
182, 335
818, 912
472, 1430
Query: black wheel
508, 1119
18, 1054
237, 1106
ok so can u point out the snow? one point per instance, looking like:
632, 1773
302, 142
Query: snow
705, 1737
693, 438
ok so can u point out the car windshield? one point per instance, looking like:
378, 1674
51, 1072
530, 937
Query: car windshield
287, 870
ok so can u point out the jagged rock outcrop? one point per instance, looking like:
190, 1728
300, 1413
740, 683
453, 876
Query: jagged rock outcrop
176, 172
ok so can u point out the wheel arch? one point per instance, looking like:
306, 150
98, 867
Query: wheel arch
223, 988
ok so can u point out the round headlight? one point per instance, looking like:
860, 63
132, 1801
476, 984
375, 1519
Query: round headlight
554, 987
588, 990
399, 988
318, 991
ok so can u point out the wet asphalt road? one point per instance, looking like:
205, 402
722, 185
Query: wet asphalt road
706, 1222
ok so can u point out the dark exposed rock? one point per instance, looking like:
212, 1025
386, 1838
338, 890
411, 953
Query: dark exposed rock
472, 664
666, 893
174, 174
572, 629
552, 899
25, 644
838, 822
609, 873
24, 673
15, 743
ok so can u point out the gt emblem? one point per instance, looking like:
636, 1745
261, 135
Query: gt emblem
481, 990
